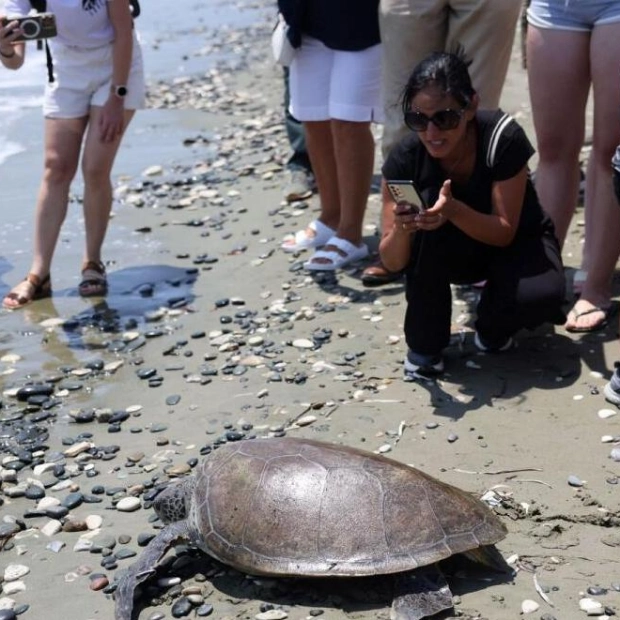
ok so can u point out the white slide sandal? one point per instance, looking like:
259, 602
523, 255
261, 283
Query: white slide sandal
337, 253
301, 240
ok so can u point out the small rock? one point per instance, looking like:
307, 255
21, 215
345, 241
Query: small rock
271, 614
529, 606
128, 504
13, 572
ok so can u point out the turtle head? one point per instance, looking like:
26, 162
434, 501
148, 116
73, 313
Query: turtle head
173, 503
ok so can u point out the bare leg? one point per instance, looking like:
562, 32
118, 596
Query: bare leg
354, 148
559, 80
320, 144
97, 162
602, 212
63, 139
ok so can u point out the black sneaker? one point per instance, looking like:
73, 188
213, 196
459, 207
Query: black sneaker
612, 389
423, 366
493, 347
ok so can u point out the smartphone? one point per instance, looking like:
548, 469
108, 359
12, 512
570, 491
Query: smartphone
34, 27
405, 191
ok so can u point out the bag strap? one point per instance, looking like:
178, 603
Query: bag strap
505, 120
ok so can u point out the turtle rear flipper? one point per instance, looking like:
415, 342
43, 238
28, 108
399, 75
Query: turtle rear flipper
144, 567
420, 593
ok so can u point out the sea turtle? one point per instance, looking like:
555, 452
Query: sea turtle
296, 507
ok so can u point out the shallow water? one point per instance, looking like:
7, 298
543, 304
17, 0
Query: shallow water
172, 42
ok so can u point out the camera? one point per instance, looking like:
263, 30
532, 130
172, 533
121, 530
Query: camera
33, 27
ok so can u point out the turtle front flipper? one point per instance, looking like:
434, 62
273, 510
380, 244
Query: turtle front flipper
420, 593
144, 567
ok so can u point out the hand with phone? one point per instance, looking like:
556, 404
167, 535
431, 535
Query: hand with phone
411, 212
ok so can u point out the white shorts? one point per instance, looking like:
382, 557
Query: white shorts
83, 78
326, 83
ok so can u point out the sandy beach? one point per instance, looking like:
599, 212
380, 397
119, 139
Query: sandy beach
210, 333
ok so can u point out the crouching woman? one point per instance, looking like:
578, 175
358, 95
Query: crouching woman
483, 222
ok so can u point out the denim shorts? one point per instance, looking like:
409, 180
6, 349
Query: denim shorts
576, 15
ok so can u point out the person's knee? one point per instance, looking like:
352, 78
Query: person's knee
95, 173
58, 170
557, 147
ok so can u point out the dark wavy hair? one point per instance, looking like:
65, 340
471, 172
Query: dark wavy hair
446, 70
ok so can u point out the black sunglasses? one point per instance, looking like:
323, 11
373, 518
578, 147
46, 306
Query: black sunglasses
444, 120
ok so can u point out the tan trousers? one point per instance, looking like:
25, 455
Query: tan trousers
412, 29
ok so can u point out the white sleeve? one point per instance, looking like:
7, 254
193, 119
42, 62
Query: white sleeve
17, 8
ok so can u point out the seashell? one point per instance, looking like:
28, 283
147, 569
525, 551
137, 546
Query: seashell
529, 606
606, 413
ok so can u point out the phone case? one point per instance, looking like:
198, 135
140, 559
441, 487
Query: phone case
405, 191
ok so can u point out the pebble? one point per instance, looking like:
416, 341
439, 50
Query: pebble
575, 481
98, 582
128, 504
13, 572
93, 522
181, 607
204, 610
13, 587
590, 606
606, 413
51, 528
271, 614
529, 606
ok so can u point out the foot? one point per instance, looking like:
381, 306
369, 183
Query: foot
586, 317
31, 288
489, 346
612, 389
94, 282
315, 235
378, 275
336, 254
419, 366
300, 185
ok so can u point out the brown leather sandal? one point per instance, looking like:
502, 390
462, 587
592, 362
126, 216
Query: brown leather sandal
378, 275
94, 282
39, 288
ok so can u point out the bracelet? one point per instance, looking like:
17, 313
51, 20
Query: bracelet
7, 55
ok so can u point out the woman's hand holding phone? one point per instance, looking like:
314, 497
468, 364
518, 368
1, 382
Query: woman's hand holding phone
409, 218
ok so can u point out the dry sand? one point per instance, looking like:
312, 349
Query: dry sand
524, 421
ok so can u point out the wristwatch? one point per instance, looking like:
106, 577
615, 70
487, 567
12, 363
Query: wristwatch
120, 91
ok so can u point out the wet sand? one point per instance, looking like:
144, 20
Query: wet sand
207, 231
